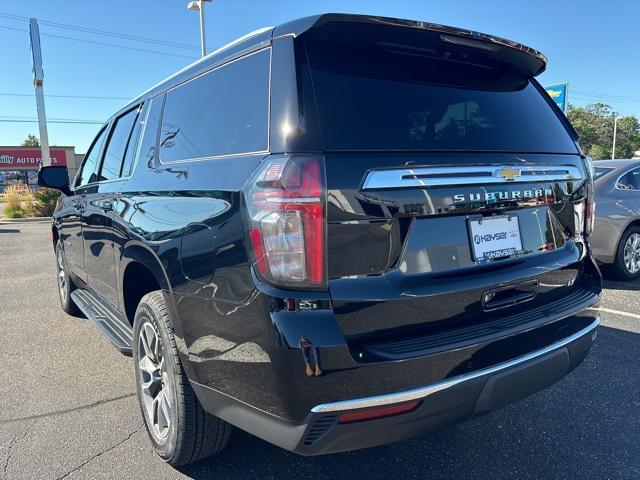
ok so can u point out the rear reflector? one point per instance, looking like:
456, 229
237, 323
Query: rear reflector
380, 412
256, 242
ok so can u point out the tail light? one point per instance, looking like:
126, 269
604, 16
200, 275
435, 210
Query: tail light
590, 201
589, 214
286, 209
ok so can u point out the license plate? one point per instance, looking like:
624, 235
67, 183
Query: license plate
493, 238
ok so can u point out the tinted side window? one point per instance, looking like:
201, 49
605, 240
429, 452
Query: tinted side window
630, 180
117, 145
624, 182
150, 132
635, 178
222, 112
601, 171
132, 148
88, 173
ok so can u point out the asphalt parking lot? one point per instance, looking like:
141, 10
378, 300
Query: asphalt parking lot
68, 408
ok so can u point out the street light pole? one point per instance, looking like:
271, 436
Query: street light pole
199, 5
203, 40
38, 82
615, 134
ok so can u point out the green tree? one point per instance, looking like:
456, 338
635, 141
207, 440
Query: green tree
595, 123
599, 152
31, 141
628, 137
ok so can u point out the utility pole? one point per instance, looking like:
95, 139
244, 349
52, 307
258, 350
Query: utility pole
38, 82
615, 134
199, 5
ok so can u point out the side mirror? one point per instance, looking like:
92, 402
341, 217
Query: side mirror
54, 177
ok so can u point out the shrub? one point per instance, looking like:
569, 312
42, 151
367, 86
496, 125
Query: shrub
13, 199
19, 201
45, 202
28, 205
15, 211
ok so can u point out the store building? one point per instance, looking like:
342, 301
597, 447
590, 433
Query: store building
21, 164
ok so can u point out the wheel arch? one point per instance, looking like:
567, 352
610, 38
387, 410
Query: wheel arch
633, 223
55, 235
141, 272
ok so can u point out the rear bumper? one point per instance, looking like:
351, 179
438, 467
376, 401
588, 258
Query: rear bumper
449, 401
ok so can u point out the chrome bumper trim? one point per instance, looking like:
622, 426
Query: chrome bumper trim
423, 392
469, 175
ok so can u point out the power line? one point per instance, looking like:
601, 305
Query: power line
106, 33
602, 99
48, 95
22, 119
52, 118
68, 122
93, 42
608, 95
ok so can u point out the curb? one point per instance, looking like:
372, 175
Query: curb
25, 220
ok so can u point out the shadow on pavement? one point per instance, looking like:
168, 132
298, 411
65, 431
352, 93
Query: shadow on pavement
585, 427
613, 284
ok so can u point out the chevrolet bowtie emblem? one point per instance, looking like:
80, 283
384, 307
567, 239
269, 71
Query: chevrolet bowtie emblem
509, 174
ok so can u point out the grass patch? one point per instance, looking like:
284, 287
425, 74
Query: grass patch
15, 211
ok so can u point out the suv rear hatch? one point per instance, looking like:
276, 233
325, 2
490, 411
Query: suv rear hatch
455, 192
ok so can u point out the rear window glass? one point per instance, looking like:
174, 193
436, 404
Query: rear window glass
383, 94
600, 171
222, 112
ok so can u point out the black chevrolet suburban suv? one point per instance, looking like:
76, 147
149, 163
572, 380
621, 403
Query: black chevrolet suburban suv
336, 233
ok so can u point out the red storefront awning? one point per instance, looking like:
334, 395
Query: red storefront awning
28, 158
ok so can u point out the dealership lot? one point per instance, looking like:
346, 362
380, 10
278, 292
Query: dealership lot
68, 408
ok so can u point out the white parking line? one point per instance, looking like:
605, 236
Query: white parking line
618, 312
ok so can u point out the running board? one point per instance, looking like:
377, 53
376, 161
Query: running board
111, 323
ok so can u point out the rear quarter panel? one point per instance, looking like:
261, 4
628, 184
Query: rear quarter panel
186, 218
615, 211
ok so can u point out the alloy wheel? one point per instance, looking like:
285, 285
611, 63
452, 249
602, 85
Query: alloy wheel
155, 381
632, 253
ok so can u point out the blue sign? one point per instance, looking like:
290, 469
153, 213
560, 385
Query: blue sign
558, 94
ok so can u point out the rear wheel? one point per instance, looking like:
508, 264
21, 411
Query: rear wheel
181, 432
627, 264
65, 284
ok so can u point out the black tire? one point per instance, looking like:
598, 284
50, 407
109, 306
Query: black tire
192, 433
63, 276
619, 267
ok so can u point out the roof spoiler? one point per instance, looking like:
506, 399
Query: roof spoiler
527, 59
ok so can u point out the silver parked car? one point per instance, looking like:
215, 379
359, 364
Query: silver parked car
616, 236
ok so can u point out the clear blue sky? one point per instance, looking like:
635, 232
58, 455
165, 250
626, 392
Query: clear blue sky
592, 44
